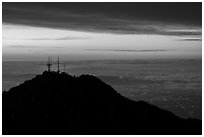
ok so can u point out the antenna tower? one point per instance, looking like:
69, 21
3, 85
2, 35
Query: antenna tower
49, 64
58, 69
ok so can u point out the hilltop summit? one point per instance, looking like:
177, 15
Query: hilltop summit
58, 103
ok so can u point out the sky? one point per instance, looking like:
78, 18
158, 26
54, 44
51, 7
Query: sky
86, 31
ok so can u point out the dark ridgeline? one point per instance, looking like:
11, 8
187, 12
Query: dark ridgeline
58, 103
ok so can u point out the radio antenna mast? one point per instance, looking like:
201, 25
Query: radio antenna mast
49, 64
58, 69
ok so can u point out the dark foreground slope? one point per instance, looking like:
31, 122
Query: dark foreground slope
54, 103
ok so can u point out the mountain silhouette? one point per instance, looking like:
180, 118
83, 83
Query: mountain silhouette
58, 103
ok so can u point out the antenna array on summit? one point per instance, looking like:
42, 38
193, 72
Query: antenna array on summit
49, 65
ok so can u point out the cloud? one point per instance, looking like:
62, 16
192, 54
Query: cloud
128, 50
23, 46
117, 18
33, 47
49, 38
62, 38
191, 39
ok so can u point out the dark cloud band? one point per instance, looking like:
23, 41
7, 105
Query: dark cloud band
191, 39
118, 18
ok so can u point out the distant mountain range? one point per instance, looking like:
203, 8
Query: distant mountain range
58, 103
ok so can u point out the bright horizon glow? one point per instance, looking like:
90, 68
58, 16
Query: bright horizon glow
37, 43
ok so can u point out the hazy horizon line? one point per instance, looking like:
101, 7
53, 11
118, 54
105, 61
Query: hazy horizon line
173, 58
